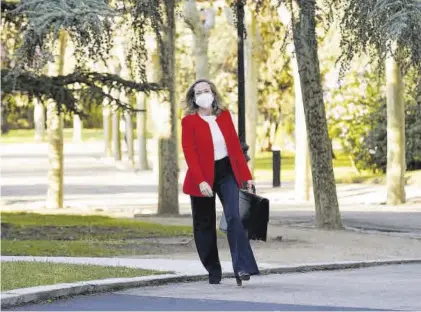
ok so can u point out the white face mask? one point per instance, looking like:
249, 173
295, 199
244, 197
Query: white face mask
204, 100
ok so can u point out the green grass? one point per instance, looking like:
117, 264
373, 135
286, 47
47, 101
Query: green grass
74, 235
83, 248
23, 274
344, 173
27, 135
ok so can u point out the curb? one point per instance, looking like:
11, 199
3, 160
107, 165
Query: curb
38, 294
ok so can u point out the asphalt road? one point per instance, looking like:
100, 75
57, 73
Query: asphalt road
388, 288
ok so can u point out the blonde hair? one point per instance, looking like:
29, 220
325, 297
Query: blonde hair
191, 107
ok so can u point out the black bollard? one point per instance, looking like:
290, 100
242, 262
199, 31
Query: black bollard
276, 166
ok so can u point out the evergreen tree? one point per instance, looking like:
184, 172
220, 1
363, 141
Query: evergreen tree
89, 24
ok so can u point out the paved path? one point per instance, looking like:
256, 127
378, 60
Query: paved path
394, 287
92, 183
180, 266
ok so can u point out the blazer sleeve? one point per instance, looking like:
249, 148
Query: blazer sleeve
190, 151
245, 174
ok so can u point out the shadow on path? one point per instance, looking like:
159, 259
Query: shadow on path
117, 302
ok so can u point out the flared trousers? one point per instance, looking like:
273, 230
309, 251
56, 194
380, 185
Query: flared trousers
204, 225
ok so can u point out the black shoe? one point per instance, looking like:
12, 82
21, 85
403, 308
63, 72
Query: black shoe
240, 277
214, 279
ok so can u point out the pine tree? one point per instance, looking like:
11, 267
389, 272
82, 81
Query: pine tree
89, 24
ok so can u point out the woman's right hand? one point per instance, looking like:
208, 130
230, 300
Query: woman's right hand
205, 189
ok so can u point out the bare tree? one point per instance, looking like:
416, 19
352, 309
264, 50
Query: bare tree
55, 138
129, 134
39, 120
200, 22
302, 153
251, 58
395, 133
141, 128
168, 149
303, 15
107, 128
77, 128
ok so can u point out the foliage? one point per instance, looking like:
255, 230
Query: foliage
342, 166
276, 101
63, 90
412, 121
357, 118
349, 107
373, 26
87, 22
370, 152
90, 26
373, 152
18, 112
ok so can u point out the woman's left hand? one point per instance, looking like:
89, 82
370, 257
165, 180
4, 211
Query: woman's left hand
250, 184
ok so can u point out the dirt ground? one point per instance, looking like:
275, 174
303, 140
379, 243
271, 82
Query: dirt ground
293, 245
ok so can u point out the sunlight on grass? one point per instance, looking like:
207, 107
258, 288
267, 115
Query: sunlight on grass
27, 135
344, 173
73, 235
22, 274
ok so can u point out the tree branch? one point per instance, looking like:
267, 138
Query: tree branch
62, 89
371, 26
191, 15
8, 5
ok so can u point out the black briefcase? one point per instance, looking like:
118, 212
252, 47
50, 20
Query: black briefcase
254, 213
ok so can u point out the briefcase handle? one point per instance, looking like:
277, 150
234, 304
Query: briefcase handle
245, 187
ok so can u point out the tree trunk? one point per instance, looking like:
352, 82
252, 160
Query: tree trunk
252, 77
201, 41
157, 116
3, 117
305, 42
55, 141
129, 137
395, 134
141, 128
168, 150
302, 155
106, 122
39, 120
55, 157
201, 36
115, 117
77, 129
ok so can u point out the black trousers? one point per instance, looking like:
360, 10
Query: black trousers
204, 224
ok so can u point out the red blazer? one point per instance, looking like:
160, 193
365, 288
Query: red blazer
199, 152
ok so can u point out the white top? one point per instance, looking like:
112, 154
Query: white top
219, 145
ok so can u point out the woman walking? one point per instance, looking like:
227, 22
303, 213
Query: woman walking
216, 165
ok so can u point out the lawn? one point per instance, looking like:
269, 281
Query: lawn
344, 173
27, 135
23, 274
73, 235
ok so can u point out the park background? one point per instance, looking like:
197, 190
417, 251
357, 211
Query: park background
59, 168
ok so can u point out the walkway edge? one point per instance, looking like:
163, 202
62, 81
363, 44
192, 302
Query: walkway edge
38, 294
